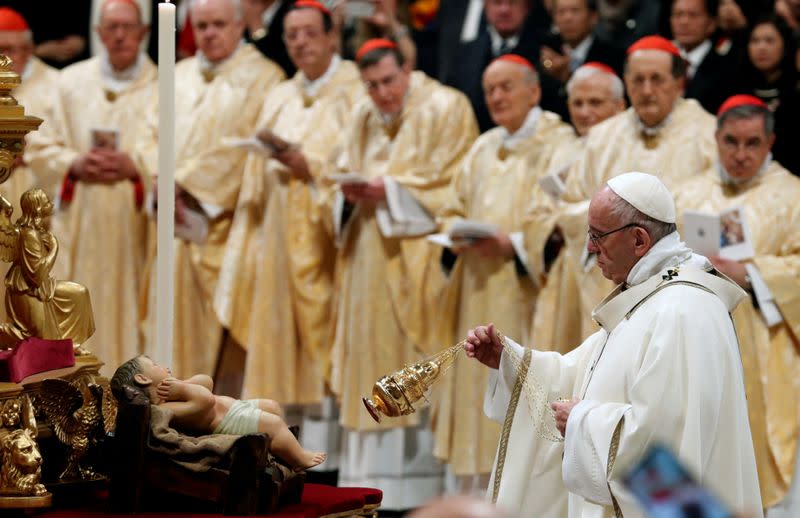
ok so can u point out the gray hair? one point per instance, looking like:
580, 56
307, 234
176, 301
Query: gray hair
749, 112
623, 211
236, 4
531, 76
583, 73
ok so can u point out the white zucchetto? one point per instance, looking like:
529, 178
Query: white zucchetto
647, 193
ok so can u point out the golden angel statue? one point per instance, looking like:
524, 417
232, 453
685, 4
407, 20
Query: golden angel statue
37, 304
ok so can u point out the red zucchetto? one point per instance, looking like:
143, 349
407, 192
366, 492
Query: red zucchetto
740, 100
313, 4
602, 67
654, 43
12, 21
515, 58
374, 44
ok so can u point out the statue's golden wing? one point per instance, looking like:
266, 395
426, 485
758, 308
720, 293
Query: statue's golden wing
109, 409
9, 233
60, 400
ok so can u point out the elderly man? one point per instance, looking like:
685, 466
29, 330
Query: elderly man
506, 32
660, 132
596, 93
768, 322
279, 258
495, 277
219, 95
664, 367
92, 130
401, 147
711, 71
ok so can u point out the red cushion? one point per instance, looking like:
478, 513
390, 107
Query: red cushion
330, 500
35, 355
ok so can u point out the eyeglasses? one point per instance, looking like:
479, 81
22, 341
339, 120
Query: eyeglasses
596, 239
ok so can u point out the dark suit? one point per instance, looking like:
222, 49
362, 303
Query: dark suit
554, 93
642, 19
466, 70
271, 44
714, 80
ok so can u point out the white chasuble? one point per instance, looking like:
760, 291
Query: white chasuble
664, 368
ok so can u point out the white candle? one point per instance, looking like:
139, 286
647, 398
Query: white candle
166, 182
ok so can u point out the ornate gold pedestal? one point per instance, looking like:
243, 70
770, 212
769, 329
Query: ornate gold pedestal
32, 411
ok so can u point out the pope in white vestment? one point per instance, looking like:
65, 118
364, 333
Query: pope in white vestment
664, 368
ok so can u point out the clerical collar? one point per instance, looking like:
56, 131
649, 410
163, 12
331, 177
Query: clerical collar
729, 180
501, 44
312, 87
695, 56
27, 71
527, 129
207, 67
118, 80
652, 131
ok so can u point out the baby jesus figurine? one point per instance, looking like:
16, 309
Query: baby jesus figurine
197, 410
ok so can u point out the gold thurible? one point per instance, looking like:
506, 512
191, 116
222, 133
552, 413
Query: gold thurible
394, 395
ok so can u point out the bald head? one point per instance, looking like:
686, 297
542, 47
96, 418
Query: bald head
121, 32
125, 5
459, 507
218, 27
511, 90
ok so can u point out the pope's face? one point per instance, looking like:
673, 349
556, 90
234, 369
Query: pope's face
509, 95
743, 146
616, 252
217, 28
651, 86
591, 101
122, 33
309, 46
18, 46
387, 84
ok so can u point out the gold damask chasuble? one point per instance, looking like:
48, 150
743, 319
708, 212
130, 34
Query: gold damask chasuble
102, 232
276, 282
684, 146
387, 288
770, 356
206, 112
502, 192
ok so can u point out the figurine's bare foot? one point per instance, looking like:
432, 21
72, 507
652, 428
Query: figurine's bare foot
80, 351
311, 459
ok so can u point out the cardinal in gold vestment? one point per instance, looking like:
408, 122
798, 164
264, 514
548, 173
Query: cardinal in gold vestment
406, 141
661, 133
216, 100
276, 285
100, 224
768, 322
494, 279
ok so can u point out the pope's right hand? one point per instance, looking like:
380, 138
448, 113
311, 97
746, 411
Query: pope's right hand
484, 345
